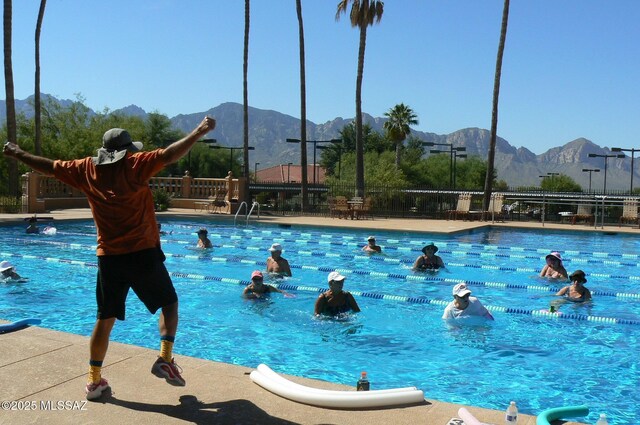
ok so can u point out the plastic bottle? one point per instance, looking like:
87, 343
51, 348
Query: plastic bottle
511, 415
602, 420
363, 382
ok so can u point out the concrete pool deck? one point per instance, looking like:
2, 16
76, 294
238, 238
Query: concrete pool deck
45, 370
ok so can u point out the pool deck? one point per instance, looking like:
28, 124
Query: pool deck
45, 370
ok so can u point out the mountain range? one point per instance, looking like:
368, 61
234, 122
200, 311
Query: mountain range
268, 131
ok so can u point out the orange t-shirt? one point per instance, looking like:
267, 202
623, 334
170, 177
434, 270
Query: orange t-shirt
120, 199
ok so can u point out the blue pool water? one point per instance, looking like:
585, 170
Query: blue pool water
590, 355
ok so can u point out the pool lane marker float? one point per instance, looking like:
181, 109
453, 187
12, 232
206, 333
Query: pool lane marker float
10, 327
549, 415
411, 277
273, 382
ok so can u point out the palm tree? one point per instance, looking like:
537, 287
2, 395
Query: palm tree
37, 101
245, 98
488, 181
10, 99
397, 127
363, 14
303, 110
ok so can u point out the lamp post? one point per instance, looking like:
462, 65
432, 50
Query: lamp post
255, 172
315, 142
289, 172
590, 170
231, 149
339, 147
209, 142
606, 157
633, 151
452, 152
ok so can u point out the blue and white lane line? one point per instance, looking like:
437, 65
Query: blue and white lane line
407, 277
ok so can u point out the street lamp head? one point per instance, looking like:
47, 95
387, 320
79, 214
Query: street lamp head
593, 155
460, 149
616, 149
435, 151
293, 140
621, 155
428, 144
464, 155
336, 141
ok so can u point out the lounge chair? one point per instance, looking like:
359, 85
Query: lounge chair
630, 212
584, 213
462, 208
496, 207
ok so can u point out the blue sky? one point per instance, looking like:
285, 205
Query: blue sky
570, 67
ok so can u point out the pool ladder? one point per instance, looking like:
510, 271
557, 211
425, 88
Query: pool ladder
246, 207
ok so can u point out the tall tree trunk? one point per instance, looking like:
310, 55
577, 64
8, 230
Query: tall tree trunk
37, 100
10, 100
245, 99
488, 182
359, 138
303, 111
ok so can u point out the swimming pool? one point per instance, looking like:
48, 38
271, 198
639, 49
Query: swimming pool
540, 361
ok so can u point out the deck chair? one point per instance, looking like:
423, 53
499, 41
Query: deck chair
629, 212
364, 209
496, 207
340, 207
584, 213
462, 208
218, 202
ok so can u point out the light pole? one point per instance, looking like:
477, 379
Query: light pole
590, 170
231, 149
339, 147
633, 151
315, 142
606, 157
209, 142
255, 172
289, 172
452, 152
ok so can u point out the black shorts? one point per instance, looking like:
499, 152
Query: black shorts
143, 271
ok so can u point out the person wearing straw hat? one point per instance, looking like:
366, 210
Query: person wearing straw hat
576, 292
428, 261
335, 301
276, 263
203, 239
116, 184
464, 305
554, 268
8, 271
371, 246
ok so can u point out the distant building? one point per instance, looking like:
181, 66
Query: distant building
285, 173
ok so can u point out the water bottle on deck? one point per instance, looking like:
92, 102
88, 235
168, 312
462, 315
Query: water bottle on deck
602, 420
511, 416
363, 382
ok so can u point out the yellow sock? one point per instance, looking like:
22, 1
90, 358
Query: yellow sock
95, 374
166, 348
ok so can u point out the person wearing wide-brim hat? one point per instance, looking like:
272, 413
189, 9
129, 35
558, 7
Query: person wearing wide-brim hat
203, 239
116, 184
8, 271
276, 263
428, 260
554, 268
576, 292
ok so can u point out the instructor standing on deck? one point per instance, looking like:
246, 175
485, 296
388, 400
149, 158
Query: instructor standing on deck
116, 183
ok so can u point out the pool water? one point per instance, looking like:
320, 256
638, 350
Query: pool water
587, 356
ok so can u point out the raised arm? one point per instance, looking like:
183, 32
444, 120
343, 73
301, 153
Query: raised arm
41, 164
180, 148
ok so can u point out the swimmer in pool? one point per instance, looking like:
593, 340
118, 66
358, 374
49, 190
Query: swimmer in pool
335, 301
428, 260
576, 292
464, 305
371, 246
554, 268
8, 272
276, 263
257, 289
203, 240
